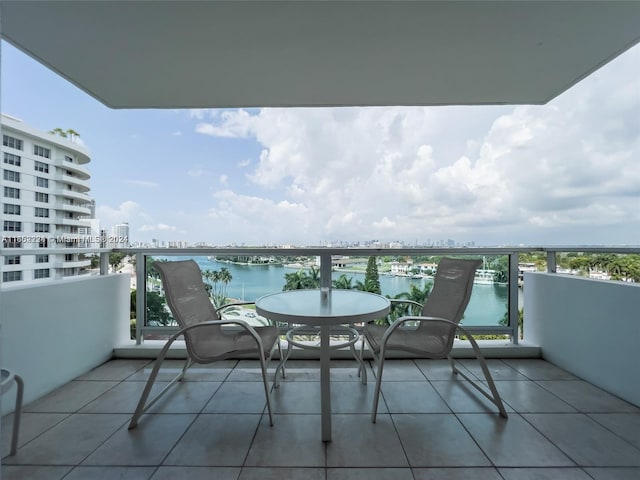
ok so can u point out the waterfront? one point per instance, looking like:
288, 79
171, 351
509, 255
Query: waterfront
487, 306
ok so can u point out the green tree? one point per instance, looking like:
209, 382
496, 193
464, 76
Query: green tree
505, 320
415, 294
301, 280
215, 282
115, 260
59, 132
371, 278
343, 282
157, 313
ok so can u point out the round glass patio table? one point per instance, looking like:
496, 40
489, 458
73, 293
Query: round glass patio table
323, 308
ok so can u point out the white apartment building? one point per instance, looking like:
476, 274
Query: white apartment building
119, 236
45, 204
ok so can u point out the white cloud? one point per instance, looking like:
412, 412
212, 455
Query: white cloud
521, 174
159, 227
142, 183
128, 211
197, 172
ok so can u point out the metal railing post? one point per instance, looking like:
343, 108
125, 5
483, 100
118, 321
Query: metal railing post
104, 263
325, 270
514, 259
141, 294
551, 261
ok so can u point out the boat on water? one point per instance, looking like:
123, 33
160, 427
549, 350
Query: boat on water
484, 277
247, 260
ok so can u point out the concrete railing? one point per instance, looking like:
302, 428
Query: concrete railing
589, 327
54, 331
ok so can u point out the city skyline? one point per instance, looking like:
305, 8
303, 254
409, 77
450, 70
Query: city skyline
563, 173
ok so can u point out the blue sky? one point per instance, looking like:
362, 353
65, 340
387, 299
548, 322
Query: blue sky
563, 173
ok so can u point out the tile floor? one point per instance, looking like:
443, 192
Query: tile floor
430, 426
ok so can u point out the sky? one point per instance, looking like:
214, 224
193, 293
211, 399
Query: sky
565, 173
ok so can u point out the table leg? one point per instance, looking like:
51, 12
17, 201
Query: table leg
325, 386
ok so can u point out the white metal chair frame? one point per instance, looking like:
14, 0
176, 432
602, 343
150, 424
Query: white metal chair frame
5, 385
265, 356
379, 356
344, 330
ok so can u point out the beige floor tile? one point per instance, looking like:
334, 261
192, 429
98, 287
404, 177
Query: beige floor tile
70, 397
438, 440
111, 473
293, 441
146, 445
513, 442
356, 442
215, 440
587, 442
70, 441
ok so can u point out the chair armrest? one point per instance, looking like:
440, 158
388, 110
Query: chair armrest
402, 300
402, 320
241, 323
234, 304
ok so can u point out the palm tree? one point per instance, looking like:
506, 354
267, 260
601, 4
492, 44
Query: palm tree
59, 132
343, 282
415, 294
224, 277
301, 280
72, 134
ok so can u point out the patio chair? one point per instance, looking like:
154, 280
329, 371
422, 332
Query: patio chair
431, 334
208, 338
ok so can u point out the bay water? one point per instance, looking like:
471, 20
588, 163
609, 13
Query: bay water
487, 306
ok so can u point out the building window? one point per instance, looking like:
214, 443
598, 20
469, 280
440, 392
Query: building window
41, 212
11, 276
42, 182
41, 273
11, 226
11, 142
41, 227
41, 151
11, 176
42, 197
12, 260
11, 209
11, 192
67, 158
11, 242
11, 159
68, 257
42, 258
43, 243
42, 167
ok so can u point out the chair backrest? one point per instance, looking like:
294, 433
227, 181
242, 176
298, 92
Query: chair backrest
450, 296
189, 302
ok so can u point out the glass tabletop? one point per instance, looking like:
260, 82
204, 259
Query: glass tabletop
317, 307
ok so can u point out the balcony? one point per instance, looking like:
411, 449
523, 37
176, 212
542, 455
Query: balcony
214, 425
574, 407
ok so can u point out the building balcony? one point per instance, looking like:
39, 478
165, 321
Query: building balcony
79, 170
78, 182
78, 209
574, 408
82, 197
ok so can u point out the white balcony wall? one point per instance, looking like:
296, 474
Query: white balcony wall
589, 327
53, 332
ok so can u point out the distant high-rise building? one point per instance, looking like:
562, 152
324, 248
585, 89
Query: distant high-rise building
45, 203
119, 236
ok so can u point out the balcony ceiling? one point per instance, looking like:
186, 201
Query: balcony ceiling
143, 54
